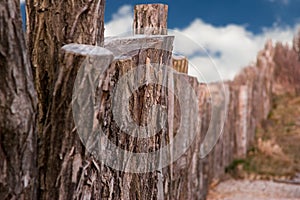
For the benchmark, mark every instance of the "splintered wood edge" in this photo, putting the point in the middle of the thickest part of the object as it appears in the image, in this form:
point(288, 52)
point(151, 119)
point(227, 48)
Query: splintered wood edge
point(86, 50)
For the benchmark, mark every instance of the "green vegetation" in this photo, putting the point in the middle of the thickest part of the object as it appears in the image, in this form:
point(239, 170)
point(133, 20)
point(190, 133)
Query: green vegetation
point(277, 150)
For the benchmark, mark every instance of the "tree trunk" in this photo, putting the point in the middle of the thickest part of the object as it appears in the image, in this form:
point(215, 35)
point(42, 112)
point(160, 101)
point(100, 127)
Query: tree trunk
point(64, 166)
point(18, 104)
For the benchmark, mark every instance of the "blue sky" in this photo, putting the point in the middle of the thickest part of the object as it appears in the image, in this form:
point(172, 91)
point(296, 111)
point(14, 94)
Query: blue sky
point(254, 14)
point(232, 32)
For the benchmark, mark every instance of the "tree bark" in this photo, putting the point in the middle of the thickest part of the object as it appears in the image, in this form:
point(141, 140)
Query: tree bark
point(147, 185)
point(18, 103)
point(64, 166)
point(52, 24)
point(150, 19)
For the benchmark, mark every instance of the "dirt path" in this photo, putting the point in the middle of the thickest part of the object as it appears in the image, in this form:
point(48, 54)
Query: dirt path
point(254, 190)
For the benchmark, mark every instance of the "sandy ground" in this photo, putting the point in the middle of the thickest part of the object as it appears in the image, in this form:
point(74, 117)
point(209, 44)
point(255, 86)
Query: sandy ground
point(254, 190)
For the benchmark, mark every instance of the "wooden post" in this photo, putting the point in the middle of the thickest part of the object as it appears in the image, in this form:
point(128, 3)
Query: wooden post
point(62, 159)
point(184, 178)
point(150, 19)
point(130, 186)
point(296, 43)
point(18, 105)
point(180, 64)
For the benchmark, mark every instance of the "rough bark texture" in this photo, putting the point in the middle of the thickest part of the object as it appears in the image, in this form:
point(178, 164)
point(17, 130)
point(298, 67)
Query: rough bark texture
point(150, 19)
point(61, 156)
point(158, 54)
point(116, 184)
point(18, 103)
point(52, 24)
point(186, 177)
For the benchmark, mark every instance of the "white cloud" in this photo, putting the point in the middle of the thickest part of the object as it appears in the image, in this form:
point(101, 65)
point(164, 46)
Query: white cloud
point(22, 1)
point(231, 47)
point(121, 22)
point(284, 2)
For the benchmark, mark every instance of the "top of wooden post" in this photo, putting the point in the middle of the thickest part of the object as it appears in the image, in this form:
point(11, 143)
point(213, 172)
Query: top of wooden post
point(150, 19)
point(87, 50)
point(180, 63)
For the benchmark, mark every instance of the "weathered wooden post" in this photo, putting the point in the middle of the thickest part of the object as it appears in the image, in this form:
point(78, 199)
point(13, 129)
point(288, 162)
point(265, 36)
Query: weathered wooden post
point(18, 105)
point(150, 19)
point(138, 57)
point(180, 64)
point(62, 159)
point(131, 54)
point(296, 43)
point(185, 178)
